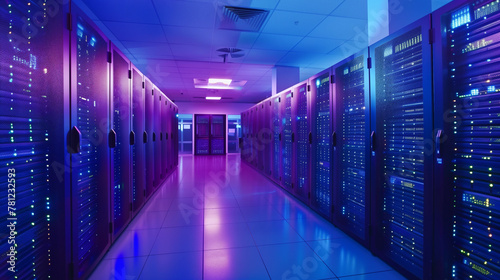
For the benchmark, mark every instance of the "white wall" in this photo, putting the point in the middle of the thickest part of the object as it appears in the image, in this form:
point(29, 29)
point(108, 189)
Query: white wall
point(213, 107)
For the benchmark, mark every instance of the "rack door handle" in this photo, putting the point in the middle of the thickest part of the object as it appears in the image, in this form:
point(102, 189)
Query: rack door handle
point(112, 138)
point(166, 135)
point(74, 141)
point(310, 138)
point(132, 138)
point(145, 137)
point(439, 136)
point(154, 137)
point(280, 136)
point(334, 139)
point(373, 141)
point(293, 137)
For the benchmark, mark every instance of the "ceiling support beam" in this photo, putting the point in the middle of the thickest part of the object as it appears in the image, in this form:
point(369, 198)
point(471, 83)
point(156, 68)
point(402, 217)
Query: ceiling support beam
point(284, 77)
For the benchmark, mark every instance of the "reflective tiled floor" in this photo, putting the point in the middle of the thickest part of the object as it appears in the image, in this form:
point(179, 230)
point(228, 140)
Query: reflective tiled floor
point(216, 218)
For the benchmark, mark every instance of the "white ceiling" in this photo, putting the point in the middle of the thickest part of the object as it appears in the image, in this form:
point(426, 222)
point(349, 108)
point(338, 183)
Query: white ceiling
point(175, 41)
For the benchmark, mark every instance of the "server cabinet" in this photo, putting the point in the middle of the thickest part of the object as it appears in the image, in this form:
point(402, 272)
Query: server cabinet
point(139, 139)
point(150, 136)
point(244, 129)
point(218, 134)
point(288, 139)
point(90, 196)
point(175, 131)
point(169, 153)
point(467, 122)
point(267, 137)
point(276, 140)
point(253, 154)
point(163, 140)
point(402, 131)
point(321, 173)
point(302, 148)
point(259, 134)
point(119, 141)
point(156, 136)
point(34, 120)
point(202, 134)
point(351, 140)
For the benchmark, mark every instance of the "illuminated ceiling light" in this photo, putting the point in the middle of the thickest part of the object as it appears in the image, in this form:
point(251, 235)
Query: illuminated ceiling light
point(213, 81)
point(213, 98)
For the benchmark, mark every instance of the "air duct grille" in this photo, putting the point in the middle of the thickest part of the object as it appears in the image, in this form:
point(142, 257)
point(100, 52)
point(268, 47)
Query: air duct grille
point(243, 19)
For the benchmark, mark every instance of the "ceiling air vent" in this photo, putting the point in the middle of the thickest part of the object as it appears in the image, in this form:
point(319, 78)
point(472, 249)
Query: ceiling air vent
point(242, 19)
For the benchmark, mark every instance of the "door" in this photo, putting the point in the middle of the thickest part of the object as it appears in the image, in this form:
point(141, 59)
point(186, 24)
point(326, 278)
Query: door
point(288, 139)
point(276, 151)
point(157, 137)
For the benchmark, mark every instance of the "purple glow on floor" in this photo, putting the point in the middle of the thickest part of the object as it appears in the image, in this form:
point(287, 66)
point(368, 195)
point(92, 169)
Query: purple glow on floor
point(216, 218)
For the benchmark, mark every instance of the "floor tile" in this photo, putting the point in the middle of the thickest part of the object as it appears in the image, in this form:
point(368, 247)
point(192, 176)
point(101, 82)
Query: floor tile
point(158, 204)
point(387, 275)
point(293, 261)
point(148, 220)
point(313, 228)
point(185, 266)
point(187, 217)
point(220, 202)
point(346, 257)
point(256, 214)
point(178, 239)
point(227, 236)
point(273, 232)
point(121, 268)
point(236, 263)
point(223, 216)
point(133, 243)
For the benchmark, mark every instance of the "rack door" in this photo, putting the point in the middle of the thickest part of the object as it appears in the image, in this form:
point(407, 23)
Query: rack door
point(218, 134)
point(467, 139)
point(276, 139)
point(402, 127)
point(89, 122)
point(33, 124)
point(149, 136)
point(202, 134)
point(352, 146)
point(302, 128)
point(288, 138)
point(140, 139)
point(120, 141)
point(157, 137)
point(321, 116)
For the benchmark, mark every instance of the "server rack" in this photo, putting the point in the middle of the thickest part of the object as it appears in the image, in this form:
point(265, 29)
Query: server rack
point(288, 139)
point(34, 117)
point(175, 131)
point(351, 141)
point(466, 135)
point(119, 141)
point(202, 134)
point(169, 155)
point(267, 137)
point(320, 137)
point(253, 138)
point(276, 149)
point(260, 136)
point(301, 129)
point(244, 128)
point(218, 134)
point(150, 136)
point(402, 126)
point(89, 144)
point(156, 136)
point(139, 137)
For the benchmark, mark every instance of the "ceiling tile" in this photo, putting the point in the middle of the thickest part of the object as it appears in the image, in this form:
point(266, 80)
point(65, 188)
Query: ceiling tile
point(188, 35)
point(233, 39)
point(264, 56)
point(349, 48)
point(299, 59)
point(276, 42)
point(190, 52)
point(353, 9)
point(317, 45)
point(292, 23)
point(186, 13)
point(323, 7)
point(148, 50)
point(136, 31)
point(339, 28)
point(124, 11)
